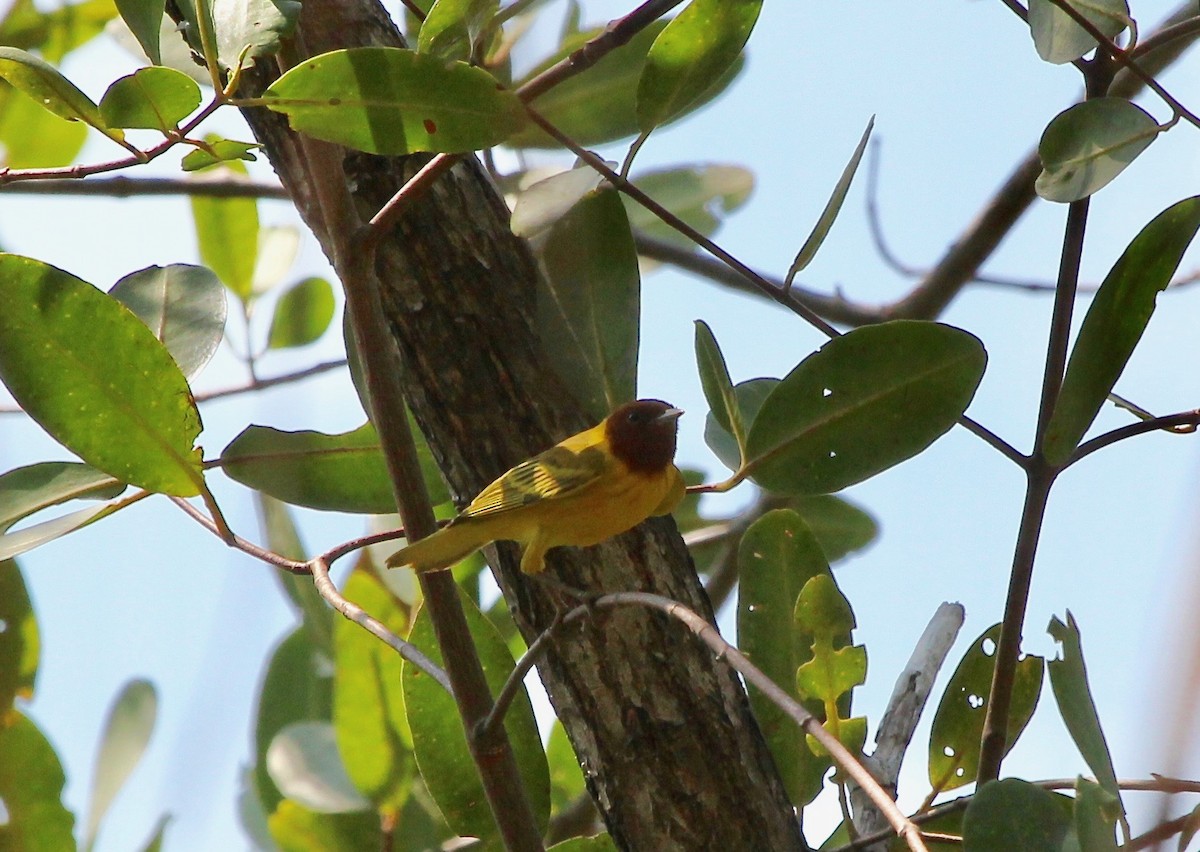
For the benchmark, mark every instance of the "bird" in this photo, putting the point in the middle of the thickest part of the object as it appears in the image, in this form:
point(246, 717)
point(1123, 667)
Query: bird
point(588, 488)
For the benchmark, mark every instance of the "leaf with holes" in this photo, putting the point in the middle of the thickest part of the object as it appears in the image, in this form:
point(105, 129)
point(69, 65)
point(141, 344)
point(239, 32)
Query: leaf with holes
point(958, 723)
point(94, 376)
point(864, 402)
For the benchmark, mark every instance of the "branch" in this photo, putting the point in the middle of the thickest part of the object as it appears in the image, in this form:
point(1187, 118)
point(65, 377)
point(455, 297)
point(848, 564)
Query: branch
point(127, 187)
point(707, 633)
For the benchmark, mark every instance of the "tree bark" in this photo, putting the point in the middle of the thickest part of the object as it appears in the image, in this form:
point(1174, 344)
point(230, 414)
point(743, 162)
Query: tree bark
point(671, 753)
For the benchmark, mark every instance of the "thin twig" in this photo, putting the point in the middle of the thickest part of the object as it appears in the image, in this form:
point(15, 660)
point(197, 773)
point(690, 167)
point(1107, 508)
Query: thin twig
point(292, 566)
point(127, 187)
point(273, 381)
point(1182, 423)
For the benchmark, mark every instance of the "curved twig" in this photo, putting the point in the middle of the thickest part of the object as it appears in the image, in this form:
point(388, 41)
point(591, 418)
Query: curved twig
point(1183, 423)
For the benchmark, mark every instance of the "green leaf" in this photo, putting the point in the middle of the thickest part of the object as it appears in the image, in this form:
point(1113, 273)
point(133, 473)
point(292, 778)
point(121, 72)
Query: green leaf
point(19, 642)
point(144, 19)
point(1115, 322)
point(385, 100)
point(297, 829)
point(305, 764)
point(691, 55)
point(1015, 816)
point(566, 778)
point(35, 138)
point(841, 527)
point(26, 539)
point(778, 554)
point(56, 32)
point(751, 394)
point(219, 151)
point(368, 703)
point(46, 85)
point(336, 473)
point(31, 786)
point(958, 723)
point(297, 686)
point(1087, 145)
point(154, 98)
point(1059, 39)
point(1068, 681)
point(183, 305)
point(590, 302)
point(1096, 813)
point(602, 842)
point(303, 314)
point(545, 202)
point(439, 741)
point(126, 733)
point(155, 843)
point(601, 105)
point(283, 538)
point(832, 207)
point(227, 232)
point(255, 24)
point(836, 667)
point(452, 27)
point(91, 373)
point(700, 195)
point(29, 489)
point(718, 387)
point(864, 402)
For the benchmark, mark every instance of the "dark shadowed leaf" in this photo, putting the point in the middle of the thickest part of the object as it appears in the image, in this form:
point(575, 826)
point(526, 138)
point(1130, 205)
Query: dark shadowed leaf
point(1089, 144)
point(1115, 322)
point(144, 19)
point(440, 743)
point(958, 723)
point(1015, 816)
point(29, 489)
point(19, 642)
point(154, 98)
point(122, 742)
point(1059, 39)
point(840, 526)
point(750, 396)
point(1069, 683)
point(183, 305)
point(283, 538)
point(340, 473)
point(862, 403)
point(385, 100)
point(90, 372)
point(691, 55)
point(602, 842)
point(589, 304)
point(700, 195)
point(779, 554)
point(1096, 814)
point(718, 387)
point(31, 786)
point(302, 315)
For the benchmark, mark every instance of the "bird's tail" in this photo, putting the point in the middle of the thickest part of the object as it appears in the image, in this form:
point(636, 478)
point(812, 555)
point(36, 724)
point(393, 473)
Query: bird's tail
point(440, 550)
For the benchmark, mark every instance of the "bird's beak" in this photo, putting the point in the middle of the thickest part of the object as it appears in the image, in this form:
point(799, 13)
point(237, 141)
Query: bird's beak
point(671, 414)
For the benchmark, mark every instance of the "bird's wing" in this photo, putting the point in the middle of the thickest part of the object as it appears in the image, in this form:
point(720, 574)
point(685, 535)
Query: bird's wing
point(555, 473)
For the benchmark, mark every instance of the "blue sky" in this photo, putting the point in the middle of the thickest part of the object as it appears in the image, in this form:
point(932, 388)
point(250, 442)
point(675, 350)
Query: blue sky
point(959, 97)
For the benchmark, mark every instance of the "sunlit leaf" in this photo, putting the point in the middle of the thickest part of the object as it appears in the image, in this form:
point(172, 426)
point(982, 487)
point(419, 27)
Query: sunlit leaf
point(1089, 144)
point(46, 85)
point(385, 100)
point(1115, 322)
point(95, 377)
point(1059, 39)
point(303, 314)
point(29, 489)
point(864, 402)
point(691, 55)
point(123, 740)
point(183, 305)
point(19, 641)
point(254, 24)
point(296, 829)
point(440, 743)
point(368, 703)
point(227, 232)
point(566, 778)
point(590, 303)
point(155, 98)
point(35, 138)
point(31, 787)
point(219, 151)
point(958, 723)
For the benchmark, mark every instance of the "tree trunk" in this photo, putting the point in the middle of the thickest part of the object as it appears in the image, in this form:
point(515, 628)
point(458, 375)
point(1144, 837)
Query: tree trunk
point(670, 751)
